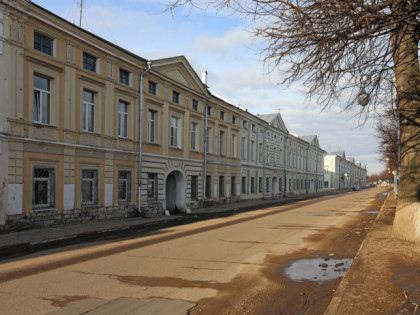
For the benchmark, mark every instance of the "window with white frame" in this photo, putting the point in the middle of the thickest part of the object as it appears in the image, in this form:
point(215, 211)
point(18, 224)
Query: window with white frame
point(89, 62)
point(151, 125)
point(233, 148)
point(222, 115)
point(42, 100)
point(124, 186)
point(252, 150)
point(234, 120)
point(260, 152)
point(124, 77)
point(90, 189)
point(152, 186)
point(208, 109)
point(43, 44)
point(88, 111)
point(152, 88)
point(122, 119)
point(176, 97)
point(194, 136)
point(222, 143)
point(209, 143)
point(43, 193)
point(174, 132)
point(195, 105)
point(243, 148)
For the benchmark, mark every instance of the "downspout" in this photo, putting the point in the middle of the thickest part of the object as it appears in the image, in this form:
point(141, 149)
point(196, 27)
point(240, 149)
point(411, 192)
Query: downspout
point(205, 150)
point(285, 166)
point(264, 153)
point(149, 66)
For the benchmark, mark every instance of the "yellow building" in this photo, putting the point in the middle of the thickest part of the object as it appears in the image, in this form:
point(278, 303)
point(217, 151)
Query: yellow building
point(70, 107)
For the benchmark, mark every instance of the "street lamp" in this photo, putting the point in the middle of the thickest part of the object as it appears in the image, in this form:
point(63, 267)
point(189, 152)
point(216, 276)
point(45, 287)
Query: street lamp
point(363, 98)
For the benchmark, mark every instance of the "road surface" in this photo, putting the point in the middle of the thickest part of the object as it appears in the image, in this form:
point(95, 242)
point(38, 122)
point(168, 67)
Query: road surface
point(221, 265)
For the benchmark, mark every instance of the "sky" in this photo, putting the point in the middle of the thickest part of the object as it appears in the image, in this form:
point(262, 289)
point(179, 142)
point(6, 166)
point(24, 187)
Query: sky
point(223, 45)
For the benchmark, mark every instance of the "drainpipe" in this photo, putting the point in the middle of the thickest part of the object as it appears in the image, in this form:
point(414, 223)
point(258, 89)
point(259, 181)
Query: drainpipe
point(149, 66)
point(205, 150)
point(263, 164)
point(285, 166)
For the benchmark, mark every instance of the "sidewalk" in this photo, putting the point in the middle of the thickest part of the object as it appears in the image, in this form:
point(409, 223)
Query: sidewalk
point(28, 238)
point(385, 275)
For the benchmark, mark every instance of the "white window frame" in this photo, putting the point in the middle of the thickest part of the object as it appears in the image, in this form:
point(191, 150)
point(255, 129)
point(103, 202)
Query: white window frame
point(86, 106)
point(39, 96)
point(51, 189)
point(126, 182)
point(122, 119)
point(194, 136)
point(151, 126)
point(174, 132)
point(234, 146)
point(94, 185)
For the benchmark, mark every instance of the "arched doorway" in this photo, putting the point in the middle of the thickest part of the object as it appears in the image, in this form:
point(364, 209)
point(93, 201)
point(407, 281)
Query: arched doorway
point(175, 191)
point(274, 187)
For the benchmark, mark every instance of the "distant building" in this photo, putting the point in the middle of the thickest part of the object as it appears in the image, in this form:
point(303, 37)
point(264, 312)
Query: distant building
point(341, 172)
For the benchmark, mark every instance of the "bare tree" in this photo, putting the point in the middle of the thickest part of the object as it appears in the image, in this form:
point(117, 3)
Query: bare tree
point(348, 52)
point(387, 134)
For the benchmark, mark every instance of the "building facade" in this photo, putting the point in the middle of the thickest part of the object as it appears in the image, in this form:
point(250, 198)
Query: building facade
point(341, 172)
point(74, 107)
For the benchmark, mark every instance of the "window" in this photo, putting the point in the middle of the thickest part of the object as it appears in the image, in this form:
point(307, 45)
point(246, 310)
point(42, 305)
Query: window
point(43, 194)
point(243, 185)
point(194, 187)
point(275, 156)
point(243, 149)
point(89, 62)
point(221, 143)
point(260, 152)
point(208, 140)
point(195, 105)
point(124, 77)
point(208, 186)
point(43, 44)
point(175, 97)
point(174, 132)
point(222, 115)
point(221, 186)
point(194, 136)
point(244, 124)
point(124, 186)
point(254, 128)
point(252, 185)
point(234, 120)
point(88, 111)
point(152, 88)
point(267, 185)
point(89, 187)
point(260, 185)
point(233, 186)
point(208, 110)
point(152, 185)
point(233, 148)
point(252, 150)
point(151, 126)
point(122, 119)
point(42, 96)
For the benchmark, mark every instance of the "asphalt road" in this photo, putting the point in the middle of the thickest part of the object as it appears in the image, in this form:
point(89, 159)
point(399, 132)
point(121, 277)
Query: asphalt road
point(180, 266)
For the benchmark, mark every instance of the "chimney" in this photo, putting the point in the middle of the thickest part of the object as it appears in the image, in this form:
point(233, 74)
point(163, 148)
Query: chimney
point(204, 77)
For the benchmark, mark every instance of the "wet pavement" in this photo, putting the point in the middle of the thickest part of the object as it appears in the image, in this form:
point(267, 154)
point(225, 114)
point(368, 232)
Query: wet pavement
point(318, 269)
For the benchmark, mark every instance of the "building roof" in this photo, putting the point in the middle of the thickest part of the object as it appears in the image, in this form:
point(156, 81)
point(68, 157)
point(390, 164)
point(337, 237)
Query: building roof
point(275, 120)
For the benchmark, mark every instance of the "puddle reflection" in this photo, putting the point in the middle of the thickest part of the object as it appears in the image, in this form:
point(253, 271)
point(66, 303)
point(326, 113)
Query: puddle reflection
point(318, 269)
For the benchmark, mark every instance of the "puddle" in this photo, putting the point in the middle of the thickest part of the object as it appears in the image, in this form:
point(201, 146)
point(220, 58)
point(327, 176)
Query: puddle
point(371, 211)
point(318, 269)
point(383, 196)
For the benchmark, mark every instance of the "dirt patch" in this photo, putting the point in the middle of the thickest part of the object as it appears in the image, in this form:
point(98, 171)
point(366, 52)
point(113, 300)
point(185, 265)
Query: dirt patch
point(275, 293)
point(62, 301)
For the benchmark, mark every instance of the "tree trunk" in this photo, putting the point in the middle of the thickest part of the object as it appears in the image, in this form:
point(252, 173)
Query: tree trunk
point(407, 218)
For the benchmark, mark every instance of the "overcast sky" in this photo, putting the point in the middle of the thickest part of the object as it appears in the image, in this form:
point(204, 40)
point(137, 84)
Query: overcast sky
point(223, 45)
